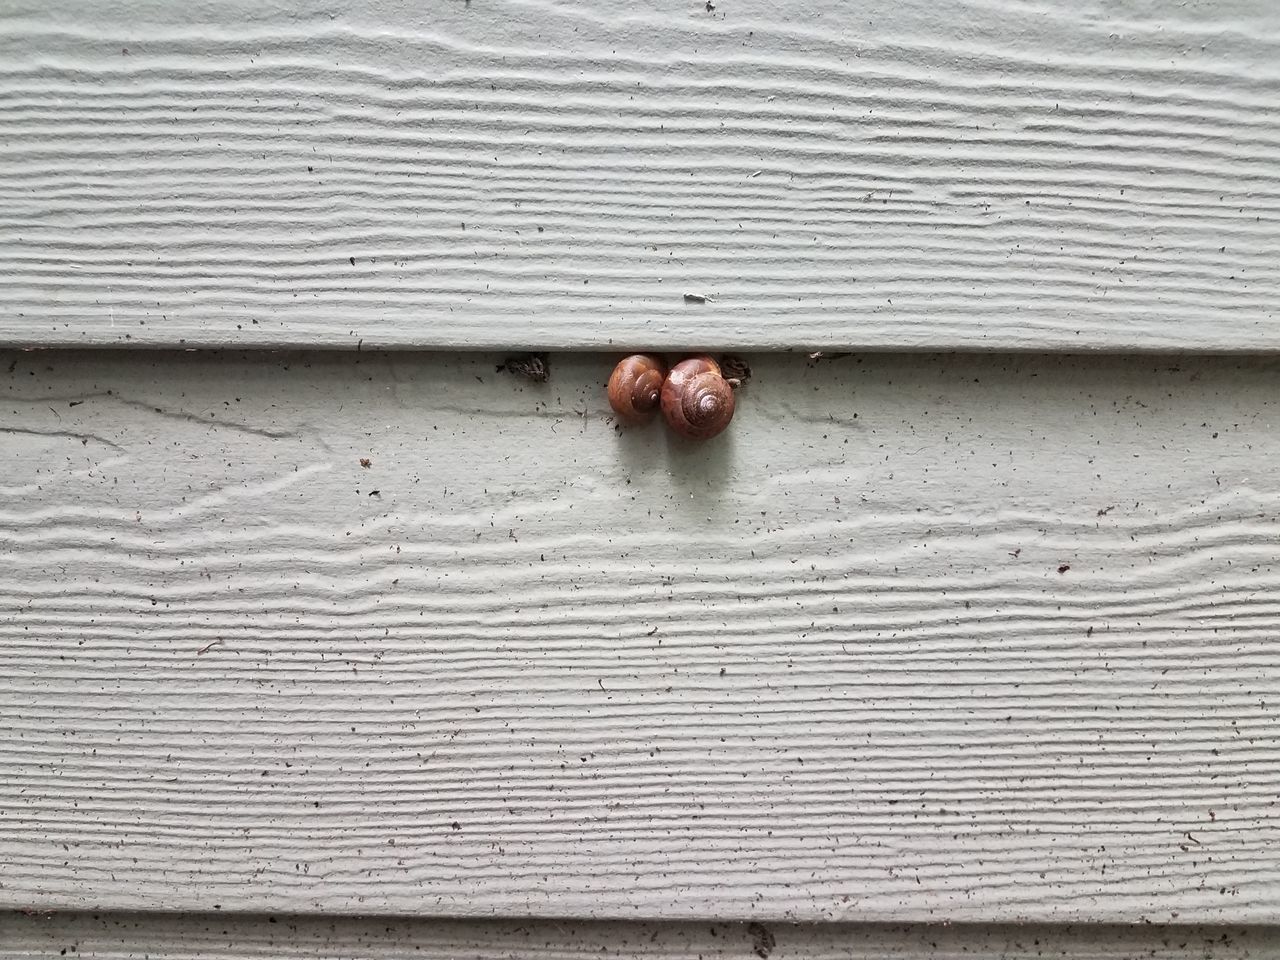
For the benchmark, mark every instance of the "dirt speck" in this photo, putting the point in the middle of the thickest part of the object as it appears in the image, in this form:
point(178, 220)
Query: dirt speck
point(1064, 568)
point(735, 368)
point(366, 462)
point(762, 941)
point(535, 367)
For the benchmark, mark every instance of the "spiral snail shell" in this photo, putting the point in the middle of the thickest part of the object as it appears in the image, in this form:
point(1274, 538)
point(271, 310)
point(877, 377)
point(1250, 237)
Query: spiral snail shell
point(697, 400)
point(635, 387)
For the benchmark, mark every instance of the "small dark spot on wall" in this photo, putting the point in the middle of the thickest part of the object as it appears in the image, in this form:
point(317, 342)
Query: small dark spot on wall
point(735, 368)
point(535, 367)
point(762, 940)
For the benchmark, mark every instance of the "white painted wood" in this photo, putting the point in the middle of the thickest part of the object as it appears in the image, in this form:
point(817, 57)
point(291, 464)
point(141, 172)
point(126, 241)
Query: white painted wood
point(900, 174)
point(827, 668)
point(217, 937)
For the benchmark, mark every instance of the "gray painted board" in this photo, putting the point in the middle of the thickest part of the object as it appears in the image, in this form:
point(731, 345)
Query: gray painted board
point(891, 174)
point(216, 937)
point(984, 639)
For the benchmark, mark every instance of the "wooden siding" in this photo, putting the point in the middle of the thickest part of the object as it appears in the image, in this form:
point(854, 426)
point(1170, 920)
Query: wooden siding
point(986, 639)
point(891, 174)
point(220, 937)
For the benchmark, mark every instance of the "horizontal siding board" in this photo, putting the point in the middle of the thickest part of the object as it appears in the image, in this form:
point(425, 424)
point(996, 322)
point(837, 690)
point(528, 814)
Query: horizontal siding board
point(975, 639)
point(217, 937)
point(528, 174)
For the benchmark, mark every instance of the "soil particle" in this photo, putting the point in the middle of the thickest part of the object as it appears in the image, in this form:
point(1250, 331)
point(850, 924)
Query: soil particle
point(530, 366)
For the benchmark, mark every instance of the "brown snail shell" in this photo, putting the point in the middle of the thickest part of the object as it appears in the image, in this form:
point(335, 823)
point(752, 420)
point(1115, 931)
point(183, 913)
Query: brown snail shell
point(635, 387)
point(697, 400)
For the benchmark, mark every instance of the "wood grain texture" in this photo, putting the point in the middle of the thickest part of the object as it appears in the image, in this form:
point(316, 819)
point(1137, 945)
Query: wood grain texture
point(218, 937)
point(951, 639)
point(906, 174)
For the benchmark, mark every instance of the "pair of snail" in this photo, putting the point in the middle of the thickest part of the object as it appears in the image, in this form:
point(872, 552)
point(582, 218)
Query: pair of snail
point(695, 397)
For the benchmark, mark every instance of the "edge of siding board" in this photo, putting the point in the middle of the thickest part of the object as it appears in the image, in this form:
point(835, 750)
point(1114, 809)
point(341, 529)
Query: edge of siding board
point(838, 341)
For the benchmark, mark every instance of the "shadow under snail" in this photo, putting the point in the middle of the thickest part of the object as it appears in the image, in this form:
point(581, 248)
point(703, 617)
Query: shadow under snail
point(695, 398)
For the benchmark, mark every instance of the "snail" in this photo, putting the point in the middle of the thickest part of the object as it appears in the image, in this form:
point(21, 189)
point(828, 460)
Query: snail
point(697, 400)
point(635, 387)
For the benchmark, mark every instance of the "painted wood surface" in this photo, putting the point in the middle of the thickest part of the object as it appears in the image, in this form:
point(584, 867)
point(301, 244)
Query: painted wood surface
point(218, 937)
point(899, 174)
point(979, 639)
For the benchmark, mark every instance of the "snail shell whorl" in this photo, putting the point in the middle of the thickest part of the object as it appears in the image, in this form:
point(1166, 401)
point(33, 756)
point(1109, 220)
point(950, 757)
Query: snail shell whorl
point(635, 387)
point(697, 400)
